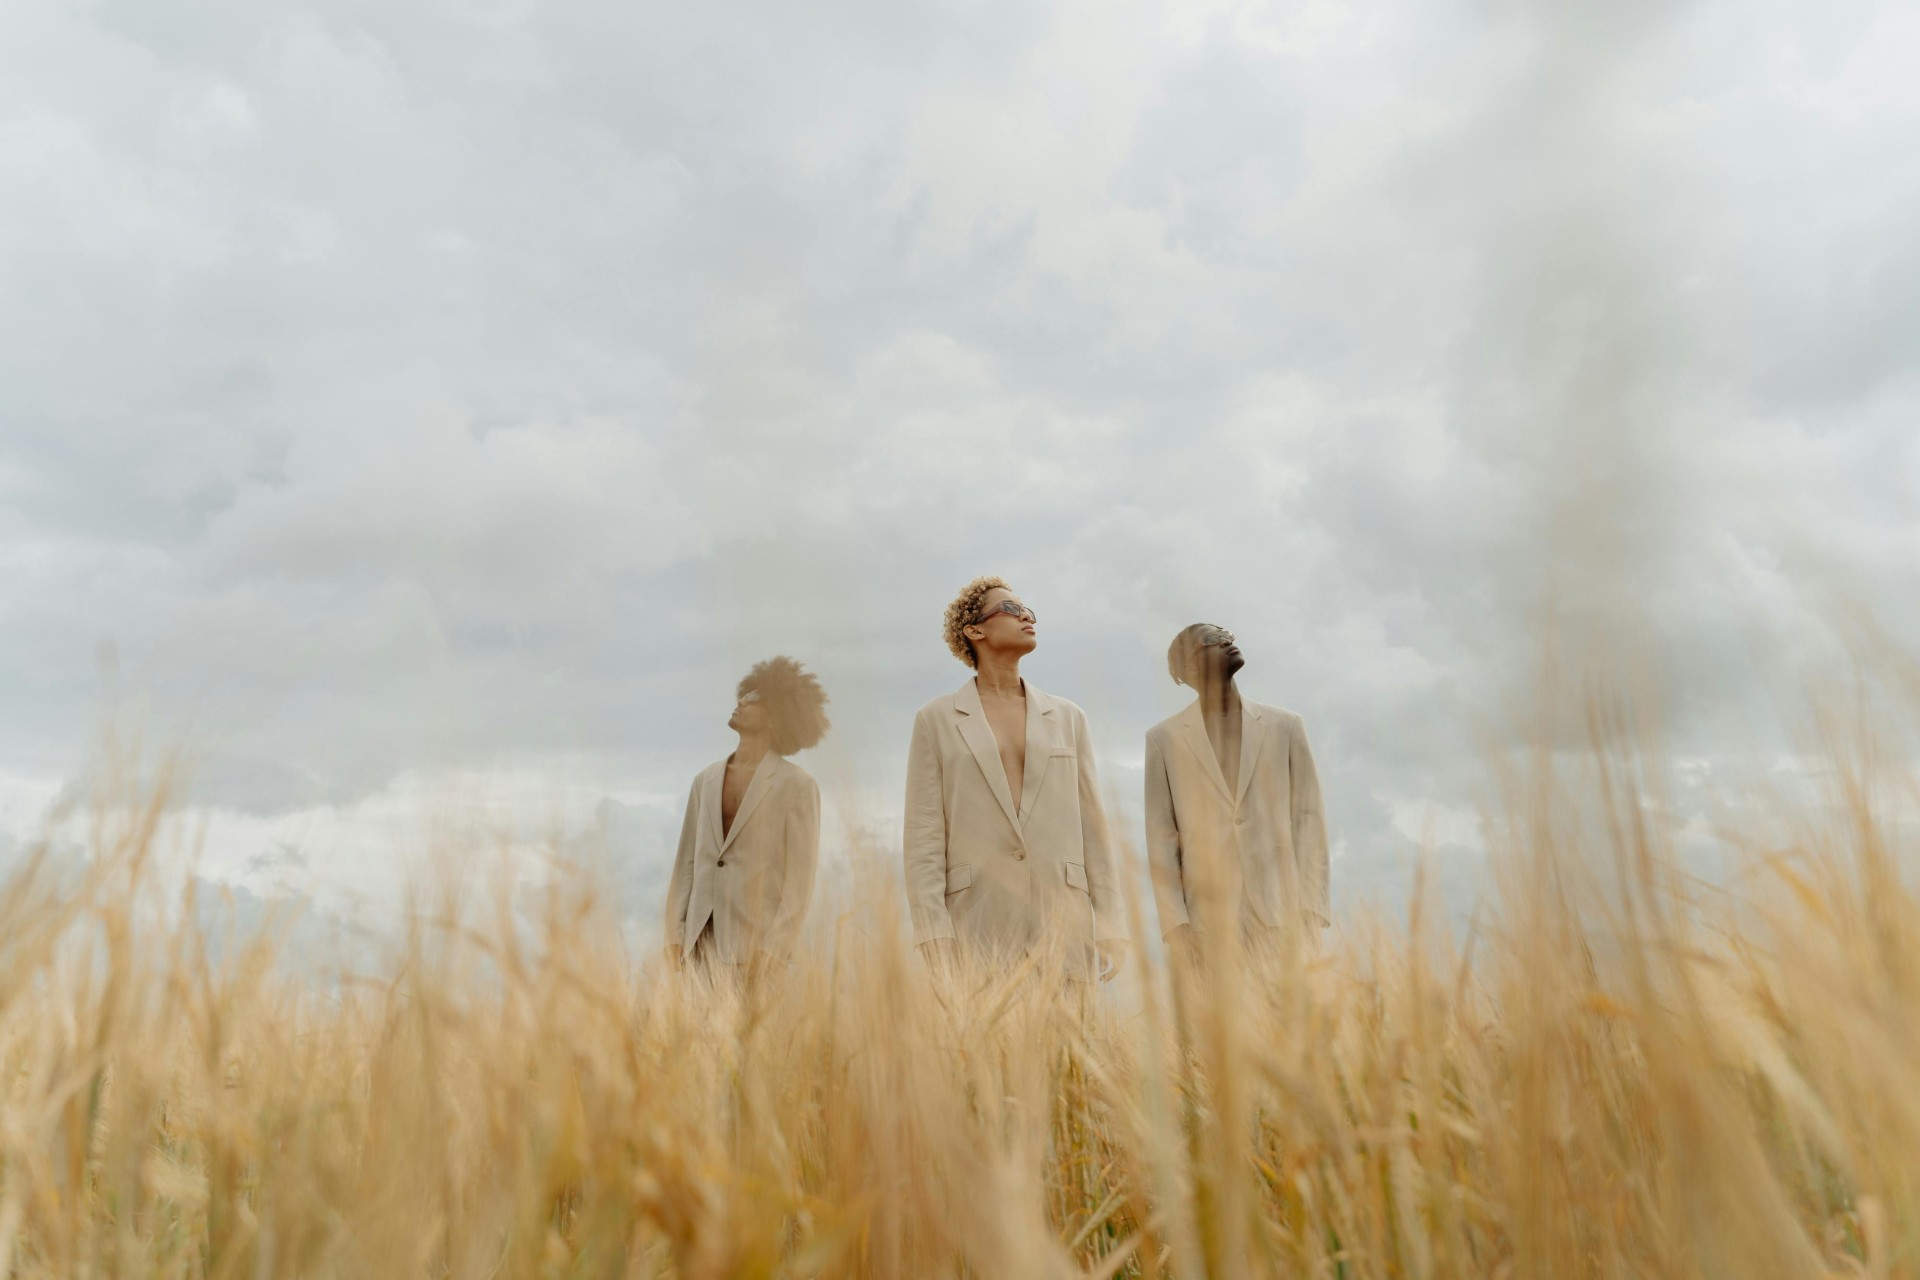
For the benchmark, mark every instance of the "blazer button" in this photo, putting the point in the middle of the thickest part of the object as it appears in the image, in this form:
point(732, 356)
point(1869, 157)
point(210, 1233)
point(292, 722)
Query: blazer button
point(1020, 855)
point(719, 864)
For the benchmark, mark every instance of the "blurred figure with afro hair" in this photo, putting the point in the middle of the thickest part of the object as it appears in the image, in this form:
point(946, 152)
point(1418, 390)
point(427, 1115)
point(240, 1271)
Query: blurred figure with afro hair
point(744, 870)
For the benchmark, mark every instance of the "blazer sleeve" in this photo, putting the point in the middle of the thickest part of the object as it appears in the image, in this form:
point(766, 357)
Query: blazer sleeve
point(1163, 841)
point(1096, 844)
point(680, 886)
point(1309, 826)
point(924, 843)
point(801, 838)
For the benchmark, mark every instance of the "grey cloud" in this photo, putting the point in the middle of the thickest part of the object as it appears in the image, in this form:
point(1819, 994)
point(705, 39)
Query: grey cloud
point(404, 387)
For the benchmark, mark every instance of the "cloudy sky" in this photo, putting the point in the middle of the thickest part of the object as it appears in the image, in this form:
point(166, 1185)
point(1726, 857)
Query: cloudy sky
point(429, 406)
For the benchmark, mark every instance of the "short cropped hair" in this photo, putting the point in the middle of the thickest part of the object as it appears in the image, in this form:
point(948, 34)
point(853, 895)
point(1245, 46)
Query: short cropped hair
point(964, 612)
point(1180, 652)
point(795, 703)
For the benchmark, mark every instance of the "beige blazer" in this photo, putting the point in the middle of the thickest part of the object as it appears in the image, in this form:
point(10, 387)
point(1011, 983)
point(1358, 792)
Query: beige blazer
point(991, 876)
point(1258, 856)
point(753, 882)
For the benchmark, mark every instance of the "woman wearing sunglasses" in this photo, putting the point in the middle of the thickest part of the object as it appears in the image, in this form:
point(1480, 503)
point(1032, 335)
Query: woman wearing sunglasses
point(1006, 842)
point(1236, 837)
point(751, 839)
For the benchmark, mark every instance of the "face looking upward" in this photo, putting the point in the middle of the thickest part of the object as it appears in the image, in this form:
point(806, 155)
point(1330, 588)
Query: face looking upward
point(749, 715)
point(1011, 630)
point(1213, 656)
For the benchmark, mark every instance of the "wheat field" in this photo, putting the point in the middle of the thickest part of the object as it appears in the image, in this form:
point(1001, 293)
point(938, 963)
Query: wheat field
point(1618, 1072)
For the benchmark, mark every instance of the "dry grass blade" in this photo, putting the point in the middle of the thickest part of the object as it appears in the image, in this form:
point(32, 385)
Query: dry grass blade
point(1619, 1075)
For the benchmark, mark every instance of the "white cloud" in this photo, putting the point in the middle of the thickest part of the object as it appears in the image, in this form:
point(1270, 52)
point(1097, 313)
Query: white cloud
point(431, 392)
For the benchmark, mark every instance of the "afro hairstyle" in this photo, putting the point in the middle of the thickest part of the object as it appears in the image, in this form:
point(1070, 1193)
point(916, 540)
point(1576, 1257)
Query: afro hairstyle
point(795, 703)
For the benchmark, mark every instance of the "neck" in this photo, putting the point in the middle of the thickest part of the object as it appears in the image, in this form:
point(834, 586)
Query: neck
point(1219, 698)
point(753, 748)
point(998, 673)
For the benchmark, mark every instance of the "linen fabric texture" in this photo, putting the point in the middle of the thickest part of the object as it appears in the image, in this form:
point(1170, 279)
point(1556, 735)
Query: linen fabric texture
point(753, 882)
point(995, 877)
point(1255, 857)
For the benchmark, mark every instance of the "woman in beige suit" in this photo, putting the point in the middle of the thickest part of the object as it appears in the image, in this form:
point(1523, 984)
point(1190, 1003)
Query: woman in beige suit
point(1005, 835)
point(751, 838)
point(1236, 836)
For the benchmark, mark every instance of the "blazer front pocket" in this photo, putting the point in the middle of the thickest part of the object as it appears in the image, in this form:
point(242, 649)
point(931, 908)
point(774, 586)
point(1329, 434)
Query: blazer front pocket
point(1077, 877)
point(959, 877)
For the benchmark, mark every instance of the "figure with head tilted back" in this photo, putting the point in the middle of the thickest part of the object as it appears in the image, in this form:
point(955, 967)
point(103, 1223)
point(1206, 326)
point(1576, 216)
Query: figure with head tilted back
point(751, 838)
point(1236, 837)
point(1006, 838)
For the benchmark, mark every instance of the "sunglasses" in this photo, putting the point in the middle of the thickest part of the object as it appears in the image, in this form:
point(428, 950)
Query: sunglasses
point(1013, 607)
point(1215, 635)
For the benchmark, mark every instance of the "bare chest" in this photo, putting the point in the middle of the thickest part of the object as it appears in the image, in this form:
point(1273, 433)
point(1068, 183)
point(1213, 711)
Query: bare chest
point(733, 789)
point(1224, 737)
point(1008, 720)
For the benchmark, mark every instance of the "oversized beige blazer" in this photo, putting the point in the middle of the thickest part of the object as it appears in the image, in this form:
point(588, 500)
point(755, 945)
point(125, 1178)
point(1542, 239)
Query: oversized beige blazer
point(1257, 856)
point(992, 876)
point(753, 882)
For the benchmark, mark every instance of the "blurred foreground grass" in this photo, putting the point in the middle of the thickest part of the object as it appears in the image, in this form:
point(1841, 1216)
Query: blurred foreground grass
point(1631, 1075)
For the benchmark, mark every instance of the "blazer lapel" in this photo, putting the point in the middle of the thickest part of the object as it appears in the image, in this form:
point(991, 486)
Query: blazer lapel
point(1193, 731)
point(1039, 748)
point(978, 735)
point(710, 783)
point(1252, 735)
point(756, 788)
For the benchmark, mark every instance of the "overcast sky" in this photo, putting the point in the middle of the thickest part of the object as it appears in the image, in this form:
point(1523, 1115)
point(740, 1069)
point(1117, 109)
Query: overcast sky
point(429, 404)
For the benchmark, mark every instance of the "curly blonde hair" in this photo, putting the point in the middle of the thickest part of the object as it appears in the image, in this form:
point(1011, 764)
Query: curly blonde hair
point(964, 612)
point(794, 700)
